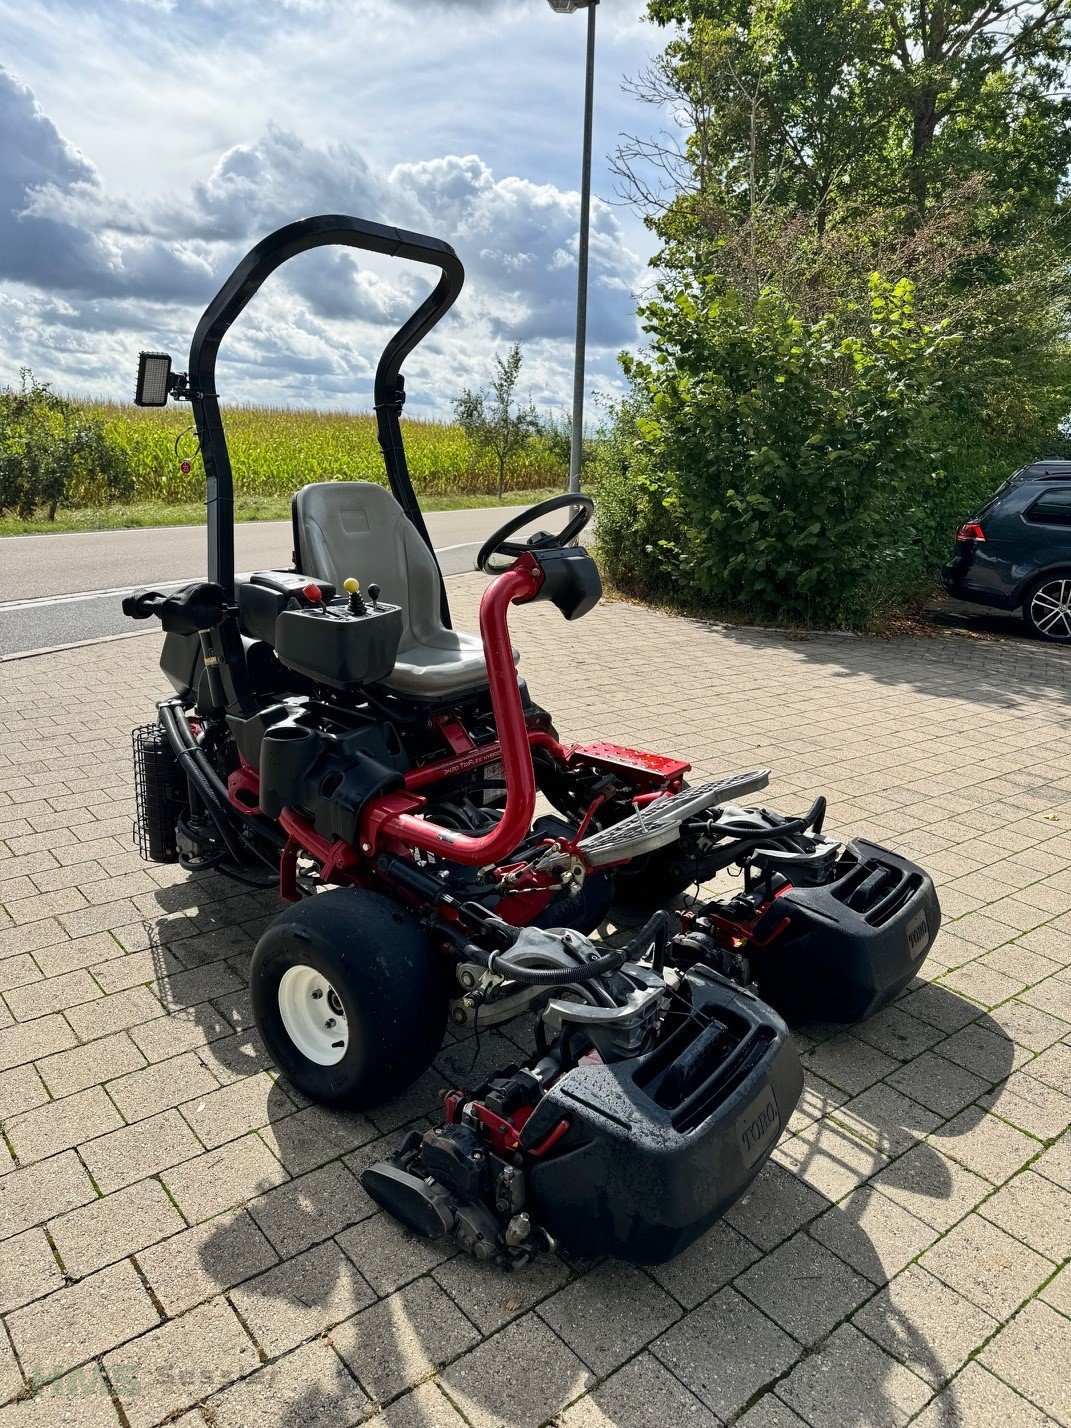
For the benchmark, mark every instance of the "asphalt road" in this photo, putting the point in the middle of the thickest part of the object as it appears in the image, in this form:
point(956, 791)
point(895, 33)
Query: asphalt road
point(59, 589)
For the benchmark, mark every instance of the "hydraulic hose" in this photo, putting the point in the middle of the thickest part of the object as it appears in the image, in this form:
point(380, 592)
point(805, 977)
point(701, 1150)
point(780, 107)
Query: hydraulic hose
point(500, 962)
point(199, 771)
point(612, 961)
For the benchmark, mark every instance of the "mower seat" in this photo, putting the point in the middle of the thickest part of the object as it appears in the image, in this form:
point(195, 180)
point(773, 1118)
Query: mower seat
point(344, 528)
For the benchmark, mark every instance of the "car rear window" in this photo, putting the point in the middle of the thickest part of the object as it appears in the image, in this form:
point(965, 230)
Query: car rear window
point(1052, 508)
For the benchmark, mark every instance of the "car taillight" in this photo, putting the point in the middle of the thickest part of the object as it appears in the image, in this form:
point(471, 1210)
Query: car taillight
point(971, 531)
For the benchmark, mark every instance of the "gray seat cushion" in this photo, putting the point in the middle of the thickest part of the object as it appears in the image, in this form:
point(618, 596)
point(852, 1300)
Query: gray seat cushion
point(355, 528)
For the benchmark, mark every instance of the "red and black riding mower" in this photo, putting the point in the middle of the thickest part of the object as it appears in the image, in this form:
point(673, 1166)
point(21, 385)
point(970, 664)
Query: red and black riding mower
point(344, 742)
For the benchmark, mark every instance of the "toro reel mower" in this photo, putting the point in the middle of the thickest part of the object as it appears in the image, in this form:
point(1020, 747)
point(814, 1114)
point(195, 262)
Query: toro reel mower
point(330, 733)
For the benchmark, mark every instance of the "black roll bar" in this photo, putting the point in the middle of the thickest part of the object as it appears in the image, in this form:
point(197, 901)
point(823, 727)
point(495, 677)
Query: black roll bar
point(389, 390)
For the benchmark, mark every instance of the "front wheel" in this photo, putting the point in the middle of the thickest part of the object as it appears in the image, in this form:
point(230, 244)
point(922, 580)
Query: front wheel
point(1047, 608)
point(348, 997)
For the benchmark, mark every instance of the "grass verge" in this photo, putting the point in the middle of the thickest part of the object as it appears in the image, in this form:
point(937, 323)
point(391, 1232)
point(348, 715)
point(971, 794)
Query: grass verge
point(141, 515)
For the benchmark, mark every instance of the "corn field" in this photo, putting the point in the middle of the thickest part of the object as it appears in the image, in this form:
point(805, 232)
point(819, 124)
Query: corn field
point(275, 451)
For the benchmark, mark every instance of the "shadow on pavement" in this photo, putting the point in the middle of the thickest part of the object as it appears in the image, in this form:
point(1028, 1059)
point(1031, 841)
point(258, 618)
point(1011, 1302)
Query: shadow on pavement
point(857, 1191)
point(1000, 673)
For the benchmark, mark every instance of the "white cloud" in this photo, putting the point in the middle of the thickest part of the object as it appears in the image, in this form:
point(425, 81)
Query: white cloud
point(219, 122)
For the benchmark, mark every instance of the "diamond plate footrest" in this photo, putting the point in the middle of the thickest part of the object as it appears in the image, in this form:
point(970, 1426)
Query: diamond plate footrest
point(660, 822)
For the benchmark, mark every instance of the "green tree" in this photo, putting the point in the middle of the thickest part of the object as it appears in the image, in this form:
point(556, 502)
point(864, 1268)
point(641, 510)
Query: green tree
point(495, 421)
point(863, 314)
point(51, 451)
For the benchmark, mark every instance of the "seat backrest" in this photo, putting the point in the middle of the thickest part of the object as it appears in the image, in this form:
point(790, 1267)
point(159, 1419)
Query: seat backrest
point(344, 528)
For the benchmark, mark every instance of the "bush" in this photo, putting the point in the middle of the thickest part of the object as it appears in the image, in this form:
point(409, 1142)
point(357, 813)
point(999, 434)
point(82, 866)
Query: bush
point(788, 469)
point(53, 453)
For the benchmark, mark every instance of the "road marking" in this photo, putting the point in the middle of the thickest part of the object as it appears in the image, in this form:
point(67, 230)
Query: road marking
point(42, 601)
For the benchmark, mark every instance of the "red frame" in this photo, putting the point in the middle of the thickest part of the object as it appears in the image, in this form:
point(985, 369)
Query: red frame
point(391, 822)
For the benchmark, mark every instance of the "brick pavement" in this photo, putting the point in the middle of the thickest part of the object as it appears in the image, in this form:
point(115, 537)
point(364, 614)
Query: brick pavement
point(186, 1238)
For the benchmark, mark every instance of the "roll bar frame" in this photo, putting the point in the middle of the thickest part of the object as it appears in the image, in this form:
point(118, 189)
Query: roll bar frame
point(326, 230)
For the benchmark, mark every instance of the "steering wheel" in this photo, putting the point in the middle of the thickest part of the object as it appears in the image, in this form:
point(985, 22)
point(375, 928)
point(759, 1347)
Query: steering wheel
point(500, 544)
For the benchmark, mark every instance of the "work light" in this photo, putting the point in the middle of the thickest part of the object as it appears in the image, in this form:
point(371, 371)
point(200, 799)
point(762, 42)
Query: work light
point(154, 379)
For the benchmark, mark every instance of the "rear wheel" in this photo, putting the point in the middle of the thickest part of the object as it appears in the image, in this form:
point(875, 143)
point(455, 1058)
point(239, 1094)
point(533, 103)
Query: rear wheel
point(1047, 608)
point(349, 997)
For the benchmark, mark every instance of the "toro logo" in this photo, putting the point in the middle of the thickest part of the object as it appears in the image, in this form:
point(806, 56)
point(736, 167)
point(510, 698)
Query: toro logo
point(918, 935)
point(756, 1126)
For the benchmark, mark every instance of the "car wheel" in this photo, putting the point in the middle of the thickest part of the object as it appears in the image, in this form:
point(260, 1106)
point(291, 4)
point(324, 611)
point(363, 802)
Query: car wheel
point(1047, 608)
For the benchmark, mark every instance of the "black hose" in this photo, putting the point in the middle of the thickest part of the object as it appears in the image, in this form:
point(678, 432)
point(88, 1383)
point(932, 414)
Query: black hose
point(612, 961)
point(499, 962)
point(199, 771)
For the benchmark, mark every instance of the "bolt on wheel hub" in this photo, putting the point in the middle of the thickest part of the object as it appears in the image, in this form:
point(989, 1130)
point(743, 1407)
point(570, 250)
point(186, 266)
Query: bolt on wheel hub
point(313, 1015)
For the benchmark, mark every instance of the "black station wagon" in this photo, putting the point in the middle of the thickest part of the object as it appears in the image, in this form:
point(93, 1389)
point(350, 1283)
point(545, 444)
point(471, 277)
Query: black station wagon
point(1017, 550)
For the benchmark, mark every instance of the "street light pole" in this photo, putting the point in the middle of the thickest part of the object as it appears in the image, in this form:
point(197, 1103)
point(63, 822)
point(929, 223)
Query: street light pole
point(576, 436)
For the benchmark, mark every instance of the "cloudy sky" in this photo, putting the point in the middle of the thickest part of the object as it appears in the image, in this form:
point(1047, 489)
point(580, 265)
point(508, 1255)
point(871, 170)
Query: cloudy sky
point(144, 144)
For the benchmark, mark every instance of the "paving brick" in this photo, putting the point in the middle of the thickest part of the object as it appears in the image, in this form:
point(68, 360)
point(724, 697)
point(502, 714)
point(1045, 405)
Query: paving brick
point(987, 1266)
point(548, 1378)
point(28, 1270)
point(183, 1030)
point(396, 1342)
point(1031, 1354)
point(849, 1379)
point(310, 1387)
point(829, 1159)
point(74, 954)
point(58, 1125)
point(1031, 1106)
point(220, 1179)
point(933, 1189)
point(1053, 1066)
point(490, 1295)
point(114, 1227)
point(1055, 1163)
point(938, 1084)
point(609, 1314)
point(985, 1144)
point(311, 1208)
point(81, 1399)
point(195, 1265)
point(139, 1150)
point(848, 1062)
point(313, 1135)
point(387, 1255)
point(85, 1066)
point(925, 1324)
point(725, 1351)
point(804, 1287)
point(180, 1363)
point(643, 1394)
point(774, 1206)
point(33, 1195)
point(976, 1397)
point(114, 1013)
point(33, 1039)
point(1036, 1211)
point(873, 1234)
point(21, 1089)
point(424, 1406)
point(706, 1265)
point(218, 1114)
point(301, 1298)
point(52, 995)
point(81, 1322)
point(151, 1089)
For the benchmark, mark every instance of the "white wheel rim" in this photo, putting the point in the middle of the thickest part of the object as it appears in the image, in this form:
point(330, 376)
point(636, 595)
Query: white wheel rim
point(1050, 609)
point(313, 1015)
